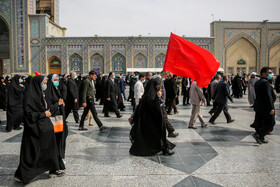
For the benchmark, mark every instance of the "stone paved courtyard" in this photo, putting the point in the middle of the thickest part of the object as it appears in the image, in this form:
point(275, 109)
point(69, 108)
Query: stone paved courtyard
point(219, 155)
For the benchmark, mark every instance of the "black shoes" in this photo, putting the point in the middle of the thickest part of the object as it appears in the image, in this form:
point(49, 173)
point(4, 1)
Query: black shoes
point(82, 129)
point(264, 141)
point(257, 138)
point(17, 128)
point(177, 112)
point(107, 116)
point(167, 152)
point(103, 128)
point(119, 116)
point(231, 121)
point(56, 173)
point(173, 135)
point(212, 122)
point(122, 109)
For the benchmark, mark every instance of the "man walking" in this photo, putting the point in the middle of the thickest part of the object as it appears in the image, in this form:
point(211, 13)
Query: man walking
point(122, 86)
point(221, 96)
point(111, 96)
point(186, 84)
point(88, 101)
point(264, 107)
point(72, 97)
point(213, 87)
point(138, 90)
point(196, 95)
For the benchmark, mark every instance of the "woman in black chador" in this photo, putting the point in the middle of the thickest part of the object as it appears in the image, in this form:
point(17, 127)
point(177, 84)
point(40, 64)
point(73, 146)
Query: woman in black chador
point(237, 86)
point(3, 93)
point(148, 134)
point(39, 152)
point(14, 105)
point(56, 106)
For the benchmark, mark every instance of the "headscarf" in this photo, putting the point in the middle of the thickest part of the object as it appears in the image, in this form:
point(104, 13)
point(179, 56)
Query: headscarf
point(34, 100)
point(54, 76)
point(15, 93)
point(52, 94)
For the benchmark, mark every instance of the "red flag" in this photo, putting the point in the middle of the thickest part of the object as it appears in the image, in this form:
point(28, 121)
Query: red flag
point(37, 73)
point(186, 59)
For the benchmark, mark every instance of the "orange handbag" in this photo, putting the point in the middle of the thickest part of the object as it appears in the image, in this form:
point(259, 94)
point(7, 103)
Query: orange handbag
point(57, 122)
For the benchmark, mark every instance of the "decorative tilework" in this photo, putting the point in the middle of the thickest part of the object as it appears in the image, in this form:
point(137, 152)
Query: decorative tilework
point(140, 61)
point(253, 33)
point(34, 28)
point(97, 61)
point(118, 63)
point(53, 53)
point(32, 7)
point(20, 33)
point(5, 10)
point(272, 35)
point(76, 63)
point(35, 59)
point(159, 60)
point(247, 37)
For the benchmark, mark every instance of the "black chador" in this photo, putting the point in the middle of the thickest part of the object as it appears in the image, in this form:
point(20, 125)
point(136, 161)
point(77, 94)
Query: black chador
point(14, 105)
point(3, 94)
point(237, 86)
point(38, 152)
point(52, 97)
point(148, 134)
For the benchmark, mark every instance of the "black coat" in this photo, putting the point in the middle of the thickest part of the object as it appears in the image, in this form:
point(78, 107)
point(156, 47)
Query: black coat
point(38, 152)
point(63, 88)
point(264, 98)
point(111, 91)
point(72, 94)
point(185, 83)
point(222, 93)
point(171, 88)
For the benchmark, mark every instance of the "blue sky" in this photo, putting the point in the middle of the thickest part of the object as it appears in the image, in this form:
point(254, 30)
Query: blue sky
point(159, 17)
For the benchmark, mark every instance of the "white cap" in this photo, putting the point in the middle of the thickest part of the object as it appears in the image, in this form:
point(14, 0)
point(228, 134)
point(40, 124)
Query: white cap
point(253, 73)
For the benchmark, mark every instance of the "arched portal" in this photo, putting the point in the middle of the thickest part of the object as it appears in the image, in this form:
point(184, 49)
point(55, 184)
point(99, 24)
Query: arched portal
point(76, 63)
point(55, 65)
point(241, 57)
point(140, 61)
point(274, 58)
point(97, 63)
point(118, 63)
point(4, 44)
point(159, 60)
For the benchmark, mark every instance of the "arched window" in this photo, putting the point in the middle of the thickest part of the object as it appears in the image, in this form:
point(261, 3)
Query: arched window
point(159, 60)
point(118, 63)
point(97, 62)
point(76, 63)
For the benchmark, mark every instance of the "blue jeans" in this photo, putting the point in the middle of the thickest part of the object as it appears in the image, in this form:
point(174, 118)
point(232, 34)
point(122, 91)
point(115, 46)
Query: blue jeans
point(124, 95)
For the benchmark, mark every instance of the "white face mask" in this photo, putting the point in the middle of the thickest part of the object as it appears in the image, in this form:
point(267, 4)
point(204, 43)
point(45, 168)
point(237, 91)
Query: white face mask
point(44, 87)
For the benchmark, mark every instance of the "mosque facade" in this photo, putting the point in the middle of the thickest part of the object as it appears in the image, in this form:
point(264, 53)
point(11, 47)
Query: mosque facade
point(31, 39)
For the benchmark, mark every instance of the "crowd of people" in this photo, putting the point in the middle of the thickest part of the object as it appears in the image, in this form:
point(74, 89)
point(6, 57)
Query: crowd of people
point(42, 102)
